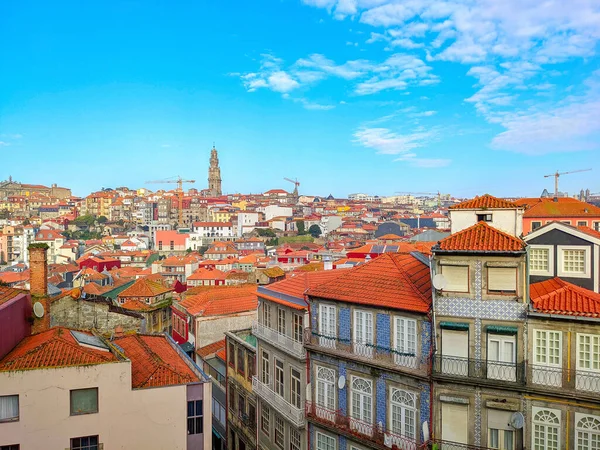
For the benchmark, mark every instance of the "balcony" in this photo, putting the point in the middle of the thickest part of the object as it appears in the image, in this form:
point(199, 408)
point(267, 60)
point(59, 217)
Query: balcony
point(370, 354)
point(479, 369)
point(279, 340)
point(576, 381)
point(243, 424)
point(372, 435)
point(294, 415)
point(438, 444)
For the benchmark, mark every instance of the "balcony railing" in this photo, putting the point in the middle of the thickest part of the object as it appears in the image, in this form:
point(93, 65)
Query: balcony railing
point(563, 379)
point(493, 371)
point(376, 435)
point(439, 444)
point(369, 353)
point(285, 408)
point(279, 340)
point(243, 422)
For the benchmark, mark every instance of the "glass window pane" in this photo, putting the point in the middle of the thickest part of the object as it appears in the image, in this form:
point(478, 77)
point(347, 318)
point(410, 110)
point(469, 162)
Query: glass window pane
point(84, 401)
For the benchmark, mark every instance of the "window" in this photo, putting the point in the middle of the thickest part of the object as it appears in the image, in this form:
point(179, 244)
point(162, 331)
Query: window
point(172, 245)
point(218, 411)
point(84, 401)
point(582, 223)
point(279, 377)
point(84, 443)
point(484, 217)
point(363, 333)
point(295, 387)
point(501, 355)
point(325, 442)
point(403, 413)
point(265, 375)
point(455, 352)
point(588, 362)
point(405, 341)
point(231, 397)
point(500, 434)
point(326, 388)
point(241, 405)
point(9, 408)
point(546, 429)
point(502, 280)
point(457, 278)
point(252, 415)
point(588, 431)
point(281, 320)
point(279, 432)
point(267, 315)
point(573, 262)
point(547, 357)
point(241, 362)
point(251, 364)
point(195, 423)
point(535, 225)
point(160, 245)
point(361, 394)
point(541, 260)
point(327, 325)
point(231, 355)
point(295, 441)
point(265, 414)
point(10, 447)
point(298, 326)
point(596, 226)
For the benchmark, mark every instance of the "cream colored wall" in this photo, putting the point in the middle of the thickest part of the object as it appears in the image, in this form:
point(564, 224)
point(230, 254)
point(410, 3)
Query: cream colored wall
point(508, 220)
point(127, 419)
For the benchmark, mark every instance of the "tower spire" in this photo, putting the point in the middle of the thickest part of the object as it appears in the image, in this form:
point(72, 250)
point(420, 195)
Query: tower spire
point(214, 174)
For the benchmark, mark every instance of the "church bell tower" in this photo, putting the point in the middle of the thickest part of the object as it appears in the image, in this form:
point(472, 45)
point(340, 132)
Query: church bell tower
point(214, 174)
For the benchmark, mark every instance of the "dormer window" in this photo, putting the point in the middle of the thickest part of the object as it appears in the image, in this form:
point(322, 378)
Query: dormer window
point(484, 217)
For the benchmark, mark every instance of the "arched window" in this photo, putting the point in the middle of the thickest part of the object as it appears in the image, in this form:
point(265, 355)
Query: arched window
point(326, 387)
point(546, 429)
point(588, 432)
point(403, 413)
point(362, 399)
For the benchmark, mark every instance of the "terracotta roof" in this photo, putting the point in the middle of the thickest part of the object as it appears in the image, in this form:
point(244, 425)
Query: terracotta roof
point(485, 202)
point(564, 207)
point(590, 231)
point(8, 293)
point(221, 300)
point(398, 281)
point(390, 237)
point(143, 287)
point(53, 348)
point(207, 274)
point(481, 237)
point(298, 283)
point(222, 354)
point(14, 277)
point(210, 349)
point(154, 361)
point(274, 272)
point(556, 296)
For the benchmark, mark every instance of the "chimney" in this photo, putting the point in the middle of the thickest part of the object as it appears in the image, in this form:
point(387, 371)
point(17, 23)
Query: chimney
point(327, 263)
point(38, 266)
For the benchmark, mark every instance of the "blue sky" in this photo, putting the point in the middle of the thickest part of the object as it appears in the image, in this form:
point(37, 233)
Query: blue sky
point(373, 96)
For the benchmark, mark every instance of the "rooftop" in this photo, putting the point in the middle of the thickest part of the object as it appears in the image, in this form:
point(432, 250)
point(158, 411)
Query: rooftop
point(143, 287)
point(210, 349)
point(486, 201)
point(221, 300)
point(563, 207)
point(481, 237)
point(556, 296)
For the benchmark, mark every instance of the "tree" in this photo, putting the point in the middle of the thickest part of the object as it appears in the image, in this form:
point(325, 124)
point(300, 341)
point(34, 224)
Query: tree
point(102, 219)
point(266, 232)
point(301, 227)
point(315, 230)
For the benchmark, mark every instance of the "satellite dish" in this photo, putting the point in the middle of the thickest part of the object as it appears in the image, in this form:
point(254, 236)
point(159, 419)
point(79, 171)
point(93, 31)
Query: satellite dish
point(425, 431)
point(38, 310)
point(341, 382)
point(439, 281)
point(517, 420)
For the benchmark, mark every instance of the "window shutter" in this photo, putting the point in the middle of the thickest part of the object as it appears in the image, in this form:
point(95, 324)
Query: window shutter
point(502, 279)
point(457, 278)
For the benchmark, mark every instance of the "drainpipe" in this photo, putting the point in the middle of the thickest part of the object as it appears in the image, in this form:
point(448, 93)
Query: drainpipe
point(307, 368)
point(432, 348)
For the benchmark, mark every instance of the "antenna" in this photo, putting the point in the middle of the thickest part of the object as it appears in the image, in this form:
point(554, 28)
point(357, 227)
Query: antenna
point(557, 175)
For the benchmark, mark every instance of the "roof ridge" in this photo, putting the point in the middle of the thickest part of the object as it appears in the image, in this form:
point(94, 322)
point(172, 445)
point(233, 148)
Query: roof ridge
point(406, 277)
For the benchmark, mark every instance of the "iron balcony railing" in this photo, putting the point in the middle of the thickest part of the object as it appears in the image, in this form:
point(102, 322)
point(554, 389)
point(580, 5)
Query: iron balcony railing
point(293, 414)
point(242, 421)
point(364, 351)
point(493, 371)
point(378, 435)
point(279, 340)
point(439, 444)
point(585, 381)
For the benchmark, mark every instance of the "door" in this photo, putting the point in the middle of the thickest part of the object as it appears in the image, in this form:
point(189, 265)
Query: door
point(501, 357)
point(327, 326)
point(325, 394)
point(361, 414)
point(454, 423)
point(547, 358)
point(405, 342)
point(455, 353)
point(363, 333)
point(588, 362)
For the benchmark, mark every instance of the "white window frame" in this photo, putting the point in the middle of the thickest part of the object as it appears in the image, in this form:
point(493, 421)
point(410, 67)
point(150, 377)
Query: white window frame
point(587, 261)
point(363, 421)
point(454, 289)
point(534, 411)
point(327, 325)
point(295, 387)
point(550, 271)
point(596, 225)
point(546, 373)
point(363, 332)
point(407, 413)
point(322, 437)
point(580, 432)
point(279, 383)
point(588, 378)
point(12, 418)
point(325, 377)
point(402, 341)
point(500, 291)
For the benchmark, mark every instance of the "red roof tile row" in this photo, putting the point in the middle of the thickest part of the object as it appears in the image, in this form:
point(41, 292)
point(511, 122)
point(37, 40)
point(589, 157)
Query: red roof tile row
point(486, 201)
point(556, 296)
point(481, 237)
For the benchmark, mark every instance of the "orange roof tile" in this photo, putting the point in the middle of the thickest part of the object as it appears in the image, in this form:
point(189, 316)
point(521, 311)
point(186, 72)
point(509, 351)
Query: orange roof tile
point(211, 349)
point(481, 237)
point(556, 296)
point(53, 348)
point(154, 362)
point(485, 202)
point(143, 287)
point(392, 280)
point(390, 237)
point(564, 207)
point(590, 231)
point(222, 354)
point(298, 283)
point(207, 274)
point(221, 300)
point(8, 293)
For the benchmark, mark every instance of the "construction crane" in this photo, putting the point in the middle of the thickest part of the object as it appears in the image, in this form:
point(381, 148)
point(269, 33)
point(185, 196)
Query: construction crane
point(437, 194)
point(179, 181)
point(557, 176)
point(296, 184)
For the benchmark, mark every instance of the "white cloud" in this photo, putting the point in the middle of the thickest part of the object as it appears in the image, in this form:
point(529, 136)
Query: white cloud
point(313, 105)
point(348, 70)
point(4, 144)
point(280, 81)
point(270, 76)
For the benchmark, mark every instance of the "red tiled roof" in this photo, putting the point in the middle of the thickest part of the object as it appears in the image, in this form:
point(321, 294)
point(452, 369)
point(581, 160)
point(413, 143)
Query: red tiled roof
point(485, 202)
point(53, 348)
point(564, 207)
point(590, 231)
point(221, 300)
point(154, 362)
point(556, 296)
point(481, 237)
point(211, 349)
point(395, 280)
point(143, 287)
point(207, 274)
point(298, 283)
point(390, 237)
point(8, 293)
point(222, 354)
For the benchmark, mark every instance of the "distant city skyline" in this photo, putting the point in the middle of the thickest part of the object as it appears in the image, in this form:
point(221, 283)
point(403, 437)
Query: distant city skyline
point(345, 95)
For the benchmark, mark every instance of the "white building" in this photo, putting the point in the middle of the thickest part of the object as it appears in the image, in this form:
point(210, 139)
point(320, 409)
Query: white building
point(246, 222)
point(271, 211)
point(496, 212)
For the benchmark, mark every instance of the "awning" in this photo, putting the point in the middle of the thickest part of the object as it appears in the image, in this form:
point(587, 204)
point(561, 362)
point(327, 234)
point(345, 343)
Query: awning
point(501, 329)
point(187, 347)
point(216, 433)
point(459, 326)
